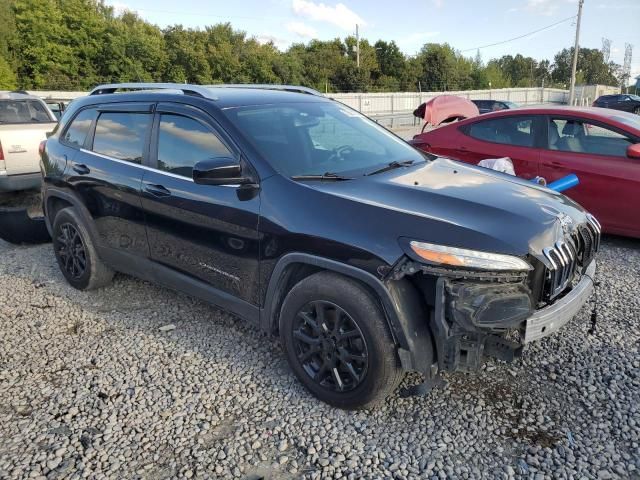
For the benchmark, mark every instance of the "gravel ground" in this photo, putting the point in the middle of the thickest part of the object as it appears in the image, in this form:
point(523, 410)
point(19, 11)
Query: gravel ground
point(90, 387)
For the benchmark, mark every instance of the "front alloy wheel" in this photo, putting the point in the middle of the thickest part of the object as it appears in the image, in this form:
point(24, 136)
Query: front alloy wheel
point(338, 342)
point(330, 346)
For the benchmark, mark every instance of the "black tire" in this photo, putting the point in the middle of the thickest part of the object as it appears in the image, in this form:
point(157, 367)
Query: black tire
point(359, 384)
point(71, 239)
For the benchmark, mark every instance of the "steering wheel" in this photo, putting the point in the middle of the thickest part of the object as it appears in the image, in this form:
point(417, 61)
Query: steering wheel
point(338, 153)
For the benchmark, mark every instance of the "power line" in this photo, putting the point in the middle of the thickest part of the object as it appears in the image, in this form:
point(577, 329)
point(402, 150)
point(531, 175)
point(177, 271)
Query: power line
point(521, 36)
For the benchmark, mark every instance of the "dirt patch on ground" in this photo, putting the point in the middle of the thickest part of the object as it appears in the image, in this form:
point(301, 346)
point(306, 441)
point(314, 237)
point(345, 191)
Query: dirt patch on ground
point(510, 402)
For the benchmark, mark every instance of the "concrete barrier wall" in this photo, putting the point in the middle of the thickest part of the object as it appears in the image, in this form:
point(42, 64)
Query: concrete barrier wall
point(397, 103)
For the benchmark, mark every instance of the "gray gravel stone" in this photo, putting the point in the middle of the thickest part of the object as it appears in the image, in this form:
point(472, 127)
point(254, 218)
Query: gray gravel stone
point(90, 387)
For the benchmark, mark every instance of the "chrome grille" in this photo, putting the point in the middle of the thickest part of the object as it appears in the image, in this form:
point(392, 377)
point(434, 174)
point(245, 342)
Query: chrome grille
point(565, 256)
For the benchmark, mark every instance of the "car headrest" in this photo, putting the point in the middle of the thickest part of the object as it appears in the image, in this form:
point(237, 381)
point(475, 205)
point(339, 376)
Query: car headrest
point(572, 128)
point(554, 136)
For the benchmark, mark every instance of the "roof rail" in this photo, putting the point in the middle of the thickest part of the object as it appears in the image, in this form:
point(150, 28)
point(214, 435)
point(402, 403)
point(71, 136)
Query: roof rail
point(195, 90)
point(268, 86)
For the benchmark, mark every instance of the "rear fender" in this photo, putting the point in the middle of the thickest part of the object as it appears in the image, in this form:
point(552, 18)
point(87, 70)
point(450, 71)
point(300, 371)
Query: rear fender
point(53, 193)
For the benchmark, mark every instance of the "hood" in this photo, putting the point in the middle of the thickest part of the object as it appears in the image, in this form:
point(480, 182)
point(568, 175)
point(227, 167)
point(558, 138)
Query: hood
point(461, 205)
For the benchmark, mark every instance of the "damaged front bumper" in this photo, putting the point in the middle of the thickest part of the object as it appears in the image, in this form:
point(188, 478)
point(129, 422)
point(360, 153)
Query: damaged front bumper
point(550, 319)
point(478, 315)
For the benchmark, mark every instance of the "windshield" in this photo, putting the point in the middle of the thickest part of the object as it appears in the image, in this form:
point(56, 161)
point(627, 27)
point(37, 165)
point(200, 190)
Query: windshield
point(23, 111)
point(300, 139)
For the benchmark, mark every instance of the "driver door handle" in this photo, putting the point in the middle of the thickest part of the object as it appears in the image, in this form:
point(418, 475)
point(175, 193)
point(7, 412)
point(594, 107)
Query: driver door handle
point(157, 190)
point(81, 169)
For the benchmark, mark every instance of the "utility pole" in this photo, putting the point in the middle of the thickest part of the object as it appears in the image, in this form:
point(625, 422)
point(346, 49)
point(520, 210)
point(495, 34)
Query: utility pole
point(357, 47)
point(626, 68)
point(576, 48)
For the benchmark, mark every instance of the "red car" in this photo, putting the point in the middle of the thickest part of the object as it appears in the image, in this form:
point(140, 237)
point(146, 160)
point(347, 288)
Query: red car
point(602, 147)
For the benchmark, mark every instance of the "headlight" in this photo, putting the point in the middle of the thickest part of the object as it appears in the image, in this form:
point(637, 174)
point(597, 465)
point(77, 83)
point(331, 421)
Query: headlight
point(461, 257)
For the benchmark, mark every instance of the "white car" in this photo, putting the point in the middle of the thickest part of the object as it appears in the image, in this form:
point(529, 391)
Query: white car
point(24, 123)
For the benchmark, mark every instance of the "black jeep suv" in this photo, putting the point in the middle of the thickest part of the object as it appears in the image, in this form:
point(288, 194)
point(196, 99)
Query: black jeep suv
point(367, 257)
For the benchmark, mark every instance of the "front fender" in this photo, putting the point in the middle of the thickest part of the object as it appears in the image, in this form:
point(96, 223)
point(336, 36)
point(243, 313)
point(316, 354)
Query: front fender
point(402, 306)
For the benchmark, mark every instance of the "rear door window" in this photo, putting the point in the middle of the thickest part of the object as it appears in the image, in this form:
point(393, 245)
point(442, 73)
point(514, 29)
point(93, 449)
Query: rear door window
point(183, 142)
point(122, 135)
point(516, 131)
point(76, 133)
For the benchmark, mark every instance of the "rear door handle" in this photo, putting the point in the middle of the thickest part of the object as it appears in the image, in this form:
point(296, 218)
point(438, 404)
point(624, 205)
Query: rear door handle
point(555, 163)
point(157, 190)
point(81, 169)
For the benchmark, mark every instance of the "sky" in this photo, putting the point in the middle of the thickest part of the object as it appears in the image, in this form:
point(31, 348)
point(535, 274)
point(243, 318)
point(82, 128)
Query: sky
point(464, 24)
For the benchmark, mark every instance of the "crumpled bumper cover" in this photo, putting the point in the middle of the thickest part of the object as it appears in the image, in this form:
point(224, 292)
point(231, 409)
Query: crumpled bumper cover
point(549, 320)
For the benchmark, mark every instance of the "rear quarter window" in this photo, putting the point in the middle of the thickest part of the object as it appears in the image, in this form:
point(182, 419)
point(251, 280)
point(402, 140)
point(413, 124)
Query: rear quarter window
point(76, 133)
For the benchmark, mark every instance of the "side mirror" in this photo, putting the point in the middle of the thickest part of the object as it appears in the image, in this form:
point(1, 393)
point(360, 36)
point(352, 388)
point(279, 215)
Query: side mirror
point(633, 151)
point(219, 171)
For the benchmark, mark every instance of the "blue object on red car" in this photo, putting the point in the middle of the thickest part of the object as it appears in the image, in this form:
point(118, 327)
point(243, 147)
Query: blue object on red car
point(564, 183)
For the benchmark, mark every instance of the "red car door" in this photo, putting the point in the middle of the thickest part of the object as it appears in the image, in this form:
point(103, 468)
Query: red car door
point(609, 180)
point(513, 136)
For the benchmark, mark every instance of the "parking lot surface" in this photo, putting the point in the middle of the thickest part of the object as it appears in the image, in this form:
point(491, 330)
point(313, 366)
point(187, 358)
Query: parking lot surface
point(91, 387)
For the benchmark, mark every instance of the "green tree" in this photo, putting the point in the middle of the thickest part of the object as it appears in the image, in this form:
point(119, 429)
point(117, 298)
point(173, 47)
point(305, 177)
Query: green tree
point(8, 78)
point(440, 67)
point(391, 60)
point(44, 59)
point(131, 50)
point(289, 68)
point(257, 62)
point(84, 23)
point(350, 78)
point(495, 76)
point(591, 66)
point(321, 60)
point(188, 58)
point(411, 75)
point(7, 29)
point(518, 69)
point(74, 44)
point(7, 75)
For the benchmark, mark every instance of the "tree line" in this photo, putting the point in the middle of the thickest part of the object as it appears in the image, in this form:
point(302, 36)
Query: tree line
point(77, 44)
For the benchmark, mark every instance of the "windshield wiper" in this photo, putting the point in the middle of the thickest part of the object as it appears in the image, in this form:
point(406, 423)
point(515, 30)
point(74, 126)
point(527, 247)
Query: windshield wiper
point(325, 176)
point(391, 166)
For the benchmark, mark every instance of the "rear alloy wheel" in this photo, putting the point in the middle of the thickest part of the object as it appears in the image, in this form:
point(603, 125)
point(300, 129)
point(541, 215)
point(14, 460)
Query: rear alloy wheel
point(338, 343)
point(75, 253)
point(71, 251)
